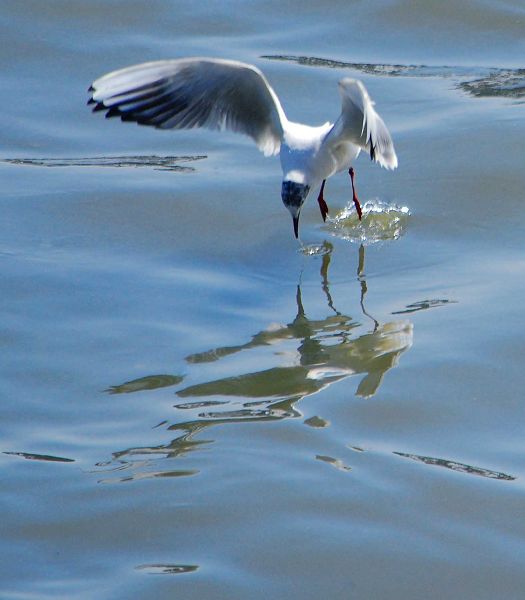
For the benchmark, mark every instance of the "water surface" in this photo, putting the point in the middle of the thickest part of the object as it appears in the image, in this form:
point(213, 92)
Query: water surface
point(197, 407)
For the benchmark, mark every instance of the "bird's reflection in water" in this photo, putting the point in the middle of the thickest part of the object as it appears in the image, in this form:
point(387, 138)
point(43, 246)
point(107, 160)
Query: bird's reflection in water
point(325, 351)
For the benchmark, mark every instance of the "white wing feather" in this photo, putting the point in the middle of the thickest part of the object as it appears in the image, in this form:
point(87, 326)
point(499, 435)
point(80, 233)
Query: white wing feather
point(195, 92)
point(360, 124)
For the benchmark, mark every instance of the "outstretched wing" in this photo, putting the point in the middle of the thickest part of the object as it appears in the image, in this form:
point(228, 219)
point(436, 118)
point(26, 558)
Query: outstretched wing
point(194, 92)
point(361, 125)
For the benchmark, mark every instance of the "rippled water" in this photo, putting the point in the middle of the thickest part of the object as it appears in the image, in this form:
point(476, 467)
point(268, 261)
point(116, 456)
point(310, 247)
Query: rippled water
point(197, 406)
point(478, 81)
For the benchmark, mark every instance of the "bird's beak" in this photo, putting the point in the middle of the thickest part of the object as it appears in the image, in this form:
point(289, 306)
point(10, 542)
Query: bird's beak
point(296, 225)
point(293, 195)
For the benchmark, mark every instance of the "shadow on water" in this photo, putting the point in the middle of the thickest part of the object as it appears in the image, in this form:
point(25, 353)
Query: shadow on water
point(476, 81)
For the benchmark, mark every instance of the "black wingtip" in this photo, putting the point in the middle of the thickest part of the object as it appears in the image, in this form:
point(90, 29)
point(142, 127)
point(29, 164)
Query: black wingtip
point(91, 101)
point(100, 106)
point(91, 89)
point(372, 151)
point(113, 112)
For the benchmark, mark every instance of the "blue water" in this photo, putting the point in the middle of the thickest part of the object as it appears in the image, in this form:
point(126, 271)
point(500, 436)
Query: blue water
point(193, 406)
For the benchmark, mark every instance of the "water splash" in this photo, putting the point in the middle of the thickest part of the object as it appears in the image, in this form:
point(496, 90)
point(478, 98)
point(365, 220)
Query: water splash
point(315, 249)
point(381, 222)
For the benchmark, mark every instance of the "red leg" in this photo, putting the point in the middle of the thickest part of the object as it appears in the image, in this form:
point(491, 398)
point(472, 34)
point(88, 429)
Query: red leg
point(323, 206)
point(355, 198)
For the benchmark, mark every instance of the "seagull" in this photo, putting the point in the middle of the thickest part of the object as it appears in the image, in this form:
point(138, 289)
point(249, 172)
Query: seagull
point(223, 94)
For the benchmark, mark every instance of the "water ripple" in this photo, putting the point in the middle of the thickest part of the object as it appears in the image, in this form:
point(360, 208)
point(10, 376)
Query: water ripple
point(337, 463)
point(43, 457)
point(160, 163)
point(457, 466)
point(423, 305)
point(476, 81)
point(167, 569)
point(150, 382)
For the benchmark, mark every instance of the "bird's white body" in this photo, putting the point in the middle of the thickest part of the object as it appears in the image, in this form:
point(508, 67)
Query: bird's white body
point(224, 94)
point(304, 157)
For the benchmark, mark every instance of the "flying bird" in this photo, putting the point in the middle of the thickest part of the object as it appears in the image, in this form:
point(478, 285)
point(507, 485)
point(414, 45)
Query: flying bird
point(230, 95)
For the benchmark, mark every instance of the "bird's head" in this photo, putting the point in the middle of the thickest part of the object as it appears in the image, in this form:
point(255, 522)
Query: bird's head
point(293, 195)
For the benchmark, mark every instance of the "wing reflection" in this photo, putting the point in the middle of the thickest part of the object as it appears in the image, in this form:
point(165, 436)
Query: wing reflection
point(309, 355)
